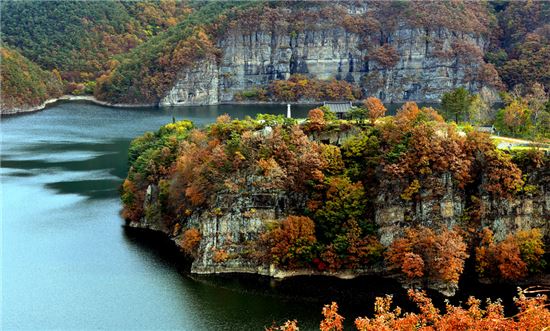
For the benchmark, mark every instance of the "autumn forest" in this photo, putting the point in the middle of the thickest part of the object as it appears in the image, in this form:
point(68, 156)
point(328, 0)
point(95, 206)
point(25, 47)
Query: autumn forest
point(436, 173)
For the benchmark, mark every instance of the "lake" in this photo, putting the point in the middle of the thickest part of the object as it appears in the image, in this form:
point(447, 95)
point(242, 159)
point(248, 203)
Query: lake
point(68, 262)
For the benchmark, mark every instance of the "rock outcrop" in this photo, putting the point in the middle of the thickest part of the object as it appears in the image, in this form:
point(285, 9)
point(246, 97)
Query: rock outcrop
point(197, 85)
point(503, 216)
point(228, 230)
point(429, 62)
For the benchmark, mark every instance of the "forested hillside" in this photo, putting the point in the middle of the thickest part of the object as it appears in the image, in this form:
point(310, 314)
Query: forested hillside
point(146, 73)
point(194, 52)
point(25, 84)
point(521, 43)
point(79, 38)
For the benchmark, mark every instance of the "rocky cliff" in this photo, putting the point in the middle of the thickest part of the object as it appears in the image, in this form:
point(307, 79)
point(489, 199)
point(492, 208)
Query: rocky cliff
point(503, 216)
point(396, 63)
point(227, 232)
point(248, 205)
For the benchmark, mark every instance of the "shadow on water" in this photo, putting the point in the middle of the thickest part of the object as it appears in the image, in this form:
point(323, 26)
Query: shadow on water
point(109, 158)
point(355, 296)
point(308, 294)
point(159, 246)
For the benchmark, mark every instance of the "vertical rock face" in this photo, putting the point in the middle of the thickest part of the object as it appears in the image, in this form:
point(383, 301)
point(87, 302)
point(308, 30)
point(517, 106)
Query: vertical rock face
point(441, 205)
point(253, 59)
point(197, 85)
point(236, 220)
point(503, 216)
point(397, 64)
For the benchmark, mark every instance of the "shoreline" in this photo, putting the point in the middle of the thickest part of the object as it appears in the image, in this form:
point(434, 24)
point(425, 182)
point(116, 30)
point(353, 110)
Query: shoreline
point(70, 98)
point(270, 271)
point(275, 274)
point(92, 99)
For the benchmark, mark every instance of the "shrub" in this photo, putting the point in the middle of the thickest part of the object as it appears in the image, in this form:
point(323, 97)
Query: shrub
point(291, 244)
point(512, 258)
point(190, 242)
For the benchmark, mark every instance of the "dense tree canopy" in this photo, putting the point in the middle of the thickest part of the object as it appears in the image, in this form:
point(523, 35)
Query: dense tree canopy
point(24, 83)
point(520, 46)
point(79, 38)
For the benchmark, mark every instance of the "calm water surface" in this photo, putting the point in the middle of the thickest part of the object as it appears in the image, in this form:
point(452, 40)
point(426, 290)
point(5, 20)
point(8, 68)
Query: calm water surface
point(68, 263)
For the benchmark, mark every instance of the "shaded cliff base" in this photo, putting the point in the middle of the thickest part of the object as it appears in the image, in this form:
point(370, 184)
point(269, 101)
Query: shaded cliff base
point(309, 284)
point(355, 296)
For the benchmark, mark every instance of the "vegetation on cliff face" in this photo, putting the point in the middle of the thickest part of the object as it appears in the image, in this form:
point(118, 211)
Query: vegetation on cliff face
point(24, 83)
point(301, 88)
point(195, 39)
point(515, 57)
point(405, 156)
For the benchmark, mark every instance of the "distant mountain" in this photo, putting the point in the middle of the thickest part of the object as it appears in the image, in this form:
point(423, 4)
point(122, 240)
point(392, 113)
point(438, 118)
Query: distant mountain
point(206, 52)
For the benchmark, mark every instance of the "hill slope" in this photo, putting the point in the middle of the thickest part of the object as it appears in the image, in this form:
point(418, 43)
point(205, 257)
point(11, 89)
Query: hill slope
point(24, 84)
point(79, 38)
point(196, 52)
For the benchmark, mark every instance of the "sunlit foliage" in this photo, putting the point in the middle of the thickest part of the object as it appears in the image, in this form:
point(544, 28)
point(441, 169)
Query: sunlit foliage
point(426, 253)
point(512, 258)
point(23, 83)
point(533, 315)
point(332, 189)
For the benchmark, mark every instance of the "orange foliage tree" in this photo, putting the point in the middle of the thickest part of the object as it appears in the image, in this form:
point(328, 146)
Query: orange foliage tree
point(386, 55)
point(190, 241)
point(290, 245)
point(533, 315)
point(499, 175)
point(316, 120)
point(375, 107)
point(132, 199)
point(299, 87)
point(422, 251)
point(332, 320)
point(512, 258)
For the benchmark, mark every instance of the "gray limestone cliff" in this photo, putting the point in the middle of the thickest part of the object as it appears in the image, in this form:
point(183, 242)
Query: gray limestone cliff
point(234, 222)
point(197, 85)
point(429, 62)
point(503, 216)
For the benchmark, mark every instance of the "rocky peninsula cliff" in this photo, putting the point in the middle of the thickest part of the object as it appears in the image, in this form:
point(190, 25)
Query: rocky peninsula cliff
point(339, 199)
